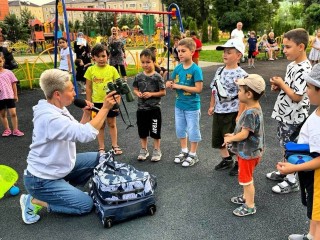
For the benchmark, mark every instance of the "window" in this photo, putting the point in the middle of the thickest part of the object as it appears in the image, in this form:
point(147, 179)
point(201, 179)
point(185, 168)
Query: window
point(132, 5)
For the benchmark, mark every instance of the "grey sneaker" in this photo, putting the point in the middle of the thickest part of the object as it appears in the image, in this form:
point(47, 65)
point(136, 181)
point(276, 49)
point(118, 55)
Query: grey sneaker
point(298, 237)
point(181, 157)
point(143, 154)
point(190, 161)
point(156, 155)
point(286, 187)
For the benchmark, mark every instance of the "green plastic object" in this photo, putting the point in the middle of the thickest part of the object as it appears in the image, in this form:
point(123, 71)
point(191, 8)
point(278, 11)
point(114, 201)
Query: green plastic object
point(148, 24)
point(8, 177)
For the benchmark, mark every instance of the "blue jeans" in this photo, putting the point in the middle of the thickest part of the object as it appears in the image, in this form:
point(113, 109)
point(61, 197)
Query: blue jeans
point(188, 124)
point(60, 194)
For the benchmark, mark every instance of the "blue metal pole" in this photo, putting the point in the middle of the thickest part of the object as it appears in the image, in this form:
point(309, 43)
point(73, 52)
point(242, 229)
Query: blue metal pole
point(66, 23)
point(56, 35)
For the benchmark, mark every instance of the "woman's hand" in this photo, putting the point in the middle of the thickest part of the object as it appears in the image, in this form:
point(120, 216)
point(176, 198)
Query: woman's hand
point(110, 100)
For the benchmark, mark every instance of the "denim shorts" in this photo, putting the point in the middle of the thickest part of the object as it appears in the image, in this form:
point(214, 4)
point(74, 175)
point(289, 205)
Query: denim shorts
point(188, 124)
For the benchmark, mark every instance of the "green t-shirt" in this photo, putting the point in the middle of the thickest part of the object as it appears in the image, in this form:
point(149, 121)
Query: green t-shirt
point(100, 76)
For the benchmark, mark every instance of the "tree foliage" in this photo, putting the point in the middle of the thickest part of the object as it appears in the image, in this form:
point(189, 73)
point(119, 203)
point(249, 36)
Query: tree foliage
point(250, 12)
point(215, 30)
point(313, 16)
point(15, 29)
point(205, 37)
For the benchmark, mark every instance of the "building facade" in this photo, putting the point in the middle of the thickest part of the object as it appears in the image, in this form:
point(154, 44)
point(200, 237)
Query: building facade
point(16, 7)
point(151, 5)
point(4, 9)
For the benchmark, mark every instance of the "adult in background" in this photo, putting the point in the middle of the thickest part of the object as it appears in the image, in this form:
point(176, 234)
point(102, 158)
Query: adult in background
point(82, 49)
point(237, 32)
point(196, 55)
point(273, 45)
point(54, 167)
point(117, 53)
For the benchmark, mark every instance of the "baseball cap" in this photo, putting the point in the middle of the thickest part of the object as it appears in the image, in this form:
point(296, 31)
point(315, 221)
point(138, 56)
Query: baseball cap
point(233, 43)
point(253, 81)
point(313, 77)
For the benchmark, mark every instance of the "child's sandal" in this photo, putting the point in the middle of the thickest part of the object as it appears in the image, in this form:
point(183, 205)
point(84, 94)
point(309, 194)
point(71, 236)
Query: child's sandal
point(101, 150)
point(117, 150)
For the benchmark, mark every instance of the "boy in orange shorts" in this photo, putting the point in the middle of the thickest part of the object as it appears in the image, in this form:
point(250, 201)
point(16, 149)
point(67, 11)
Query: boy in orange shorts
point(248, 140)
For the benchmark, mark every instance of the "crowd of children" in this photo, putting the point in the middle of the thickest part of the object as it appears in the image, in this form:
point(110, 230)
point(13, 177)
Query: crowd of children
point(237, 125)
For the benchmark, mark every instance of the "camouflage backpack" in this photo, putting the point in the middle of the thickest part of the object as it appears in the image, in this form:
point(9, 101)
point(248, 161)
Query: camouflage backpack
point(113, 181)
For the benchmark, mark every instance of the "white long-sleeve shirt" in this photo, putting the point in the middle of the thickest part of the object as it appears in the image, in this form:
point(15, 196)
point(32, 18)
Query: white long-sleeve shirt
point(53, 150)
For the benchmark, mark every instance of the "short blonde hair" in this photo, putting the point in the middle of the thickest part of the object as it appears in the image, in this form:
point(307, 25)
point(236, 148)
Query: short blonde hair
point(53, 80)
point(188, 43)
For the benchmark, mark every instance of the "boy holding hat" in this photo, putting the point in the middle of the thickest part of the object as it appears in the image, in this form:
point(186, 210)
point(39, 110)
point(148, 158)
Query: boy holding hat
point(247, 140)
point(224, 103)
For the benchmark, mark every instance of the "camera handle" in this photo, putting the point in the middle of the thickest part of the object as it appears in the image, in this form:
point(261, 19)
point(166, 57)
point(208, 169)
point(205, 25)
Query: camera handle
point(125, 108)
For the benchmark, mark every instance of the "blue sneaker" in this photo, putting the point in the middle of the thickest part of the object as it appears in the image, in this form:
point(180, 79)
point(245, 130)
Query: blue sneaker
point(28, 210)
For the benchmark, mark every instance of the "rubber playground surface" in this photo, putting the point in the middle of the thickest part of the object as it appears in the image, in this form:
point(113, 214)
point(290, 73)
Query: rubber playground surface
point(192, 203)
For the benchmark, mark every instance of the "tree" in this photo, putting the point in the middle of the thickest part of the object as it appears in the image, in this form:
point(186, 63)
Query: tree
point(215, 30)
point(193, 26)
point(313, 16)
point(14, 28)
point(205, 37)
point(228, 13)
point(77, 25)
point(198, 10)
point(89, 23)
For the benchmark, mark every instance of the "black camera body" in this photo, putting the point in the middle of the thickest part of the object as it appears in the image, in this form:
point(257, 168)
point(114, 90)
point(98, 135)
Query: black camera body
point(122, 88)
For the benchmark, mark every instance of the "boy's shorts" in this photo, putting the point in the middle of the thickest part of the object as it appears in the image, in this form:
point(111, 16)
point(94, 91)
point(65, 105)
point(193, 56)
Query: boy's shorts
point(111, 113)
point(310, 192)
point(7, 103)
point(246, 169)
point(222, 123)
point(288, 132)
point(188, 124)
point(149, 123)
point(250, 54)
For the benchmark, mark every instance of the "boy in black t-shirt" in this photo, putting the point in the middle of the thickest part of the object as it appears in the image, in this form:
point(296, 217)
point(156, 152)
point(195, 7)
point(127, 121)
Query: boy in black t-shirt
point(149, 87)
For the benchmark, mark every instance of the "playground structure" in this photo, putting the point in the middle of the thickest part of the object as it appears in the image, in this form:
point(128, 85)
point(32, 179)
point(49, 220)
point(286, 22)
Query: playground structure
point(42, 32)
point(173, 12)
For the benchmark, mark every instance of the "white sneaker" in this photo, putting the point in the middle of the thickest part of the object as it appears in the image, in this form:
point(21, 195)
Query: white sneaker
point(299, 237)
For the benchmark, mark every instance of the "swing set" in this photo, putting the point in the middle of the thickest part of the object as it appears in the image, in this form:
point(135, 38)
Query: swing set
point(173, 13)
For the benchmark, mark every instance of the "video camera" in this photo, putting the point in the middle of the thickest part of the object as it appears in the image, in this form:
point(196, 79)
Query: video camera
point(121, 88)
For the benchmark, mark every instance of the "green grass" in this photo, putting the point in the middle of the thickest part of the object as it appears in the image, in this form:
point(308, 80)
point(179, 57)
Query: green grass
point(211, 56)
point(22, 74)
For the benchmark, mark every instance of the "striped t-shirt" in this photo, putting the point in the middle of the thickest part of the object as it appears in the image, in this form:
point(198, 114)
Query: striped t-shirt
point(7, 78)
